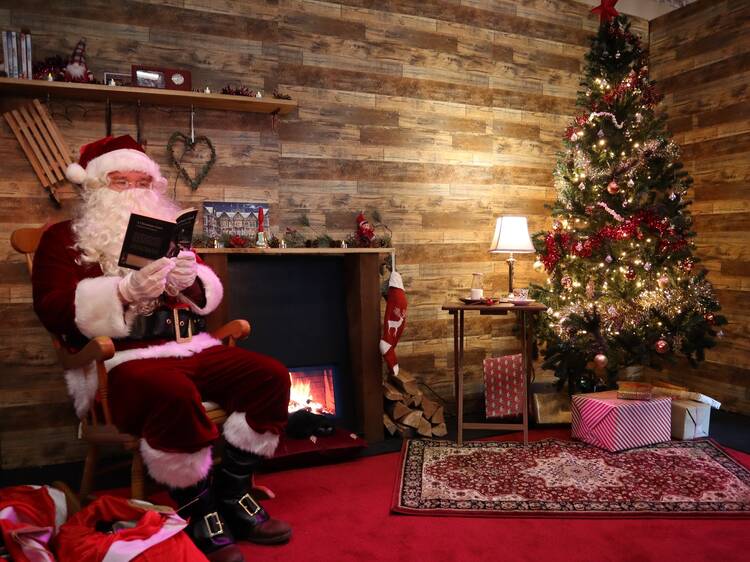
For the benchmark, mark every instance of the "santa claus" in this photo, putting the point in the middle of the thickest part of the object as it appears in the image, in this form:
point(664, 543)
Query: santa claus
point(157, 378)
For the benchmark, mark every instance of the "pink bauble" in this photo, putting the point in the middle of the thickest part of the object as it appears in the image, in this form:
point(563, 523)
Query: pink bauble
point(600, 361)
point(661, 346)
point(663, 281)
point(613, 188)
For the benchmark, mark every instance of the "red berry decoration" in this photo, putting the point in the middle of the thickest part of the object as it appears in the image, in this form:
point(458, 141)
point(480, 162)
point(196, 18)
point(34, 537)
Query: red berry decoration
point(661, 347)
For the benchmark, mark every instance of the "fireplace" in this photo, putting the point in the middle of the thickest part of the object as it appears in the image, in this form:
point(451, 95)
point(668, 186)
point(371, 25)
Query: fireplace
point(312, 307)
point(313, 389)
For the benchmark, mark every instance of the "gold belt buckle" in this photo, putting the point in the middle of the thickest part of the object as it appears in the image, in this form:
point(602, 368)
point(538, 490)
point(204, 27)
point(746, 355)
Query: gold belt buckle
point(178, 324)
point(213, 517)
point(253, 508)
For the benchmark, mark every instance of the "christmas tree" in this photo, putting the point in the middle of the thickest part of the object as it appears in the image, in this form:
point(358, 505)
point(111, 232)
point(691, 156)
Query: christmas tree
point(623, 287)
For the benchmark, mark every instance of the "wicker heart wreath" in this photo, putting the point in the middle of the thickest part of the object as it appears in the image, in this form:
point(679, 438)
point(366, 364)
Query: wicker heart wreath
point(190, 145)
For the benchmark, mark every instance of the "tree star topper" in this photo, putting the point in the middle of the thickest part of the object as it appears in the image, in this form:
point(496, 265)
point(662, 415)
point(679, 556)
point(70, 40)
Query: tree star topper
point(606, 10)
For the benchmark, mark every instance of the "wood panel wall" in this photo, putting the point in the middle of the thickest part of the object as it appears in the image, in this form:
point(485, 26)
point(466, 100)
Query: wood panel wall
point(700, 57)
point(439, 114)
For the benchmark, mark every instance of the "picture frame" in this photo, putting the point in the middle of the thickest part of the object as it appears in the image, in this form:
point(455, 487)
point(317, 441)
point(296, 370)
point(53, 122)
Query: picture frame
point(161, 78)
point(233, 218)
point(119, 78)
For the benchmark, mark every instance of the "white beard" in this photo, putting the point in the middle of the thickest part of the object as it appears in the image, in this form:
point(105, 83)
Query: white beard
point(103, 219)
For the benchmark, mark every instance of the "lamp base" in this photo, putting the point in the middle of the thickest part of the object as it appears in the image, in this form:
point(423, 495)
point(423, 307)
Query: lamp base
point(511, 263)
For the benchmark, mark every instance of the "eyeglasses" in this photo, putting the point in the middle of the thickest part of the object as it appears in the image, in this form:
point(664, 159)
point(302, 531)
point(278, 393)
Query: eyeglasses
point(121, 183)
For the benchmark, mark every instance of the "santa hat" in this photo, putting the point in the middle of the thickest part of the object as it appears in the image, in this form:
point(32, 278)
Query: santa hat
point(111, 154)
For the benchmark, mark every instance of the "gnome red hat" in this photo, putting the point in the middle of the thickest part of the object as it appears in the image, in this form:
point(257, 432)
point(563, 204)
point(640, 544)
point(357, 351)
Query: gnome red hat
point(111, 154)
point(76, 70)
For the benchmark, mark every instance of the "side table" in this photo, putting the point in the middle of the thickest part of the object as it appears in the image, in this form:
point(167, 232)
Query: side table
point(525, 313)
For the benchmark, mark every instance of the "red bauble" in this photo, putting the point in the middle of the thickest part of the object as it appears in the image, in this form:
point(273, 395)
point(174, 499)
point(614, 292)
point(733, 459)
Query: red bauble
point(710, 318)
point(613, 188)
point(661, 346)
point(630, 274)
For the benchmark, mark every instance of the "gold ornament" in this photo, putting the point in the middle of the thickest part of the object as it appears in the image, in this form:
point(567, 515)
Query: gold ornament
point(538, 266)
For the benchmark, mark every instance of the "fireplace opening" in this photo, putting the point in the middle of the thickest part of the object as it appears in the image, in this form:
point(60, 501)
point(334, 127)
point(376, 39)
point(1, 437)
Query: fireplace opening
point(313, 389)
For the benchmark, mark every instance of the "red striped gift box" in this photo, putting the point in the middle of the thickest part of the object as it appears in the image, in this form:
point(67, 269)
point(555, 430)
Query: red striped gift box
point(604, 420)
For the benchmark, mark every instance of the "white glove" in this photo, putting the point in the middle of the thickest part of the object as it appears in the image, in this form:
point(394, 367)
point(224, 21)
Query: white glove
point(146, 283)
point(183, 274)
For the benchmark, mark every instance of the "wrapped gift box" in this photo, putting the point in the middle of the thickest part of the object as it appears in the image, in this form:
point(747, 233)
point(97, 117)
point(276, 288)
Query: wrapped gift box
point(504, 386)
point(604, 420)
point(690, 419)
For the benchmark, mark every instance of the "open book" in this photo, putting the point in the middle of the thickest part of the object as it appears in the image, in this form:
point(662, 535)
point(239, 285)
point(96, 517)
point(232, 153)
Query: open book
point(148, 238)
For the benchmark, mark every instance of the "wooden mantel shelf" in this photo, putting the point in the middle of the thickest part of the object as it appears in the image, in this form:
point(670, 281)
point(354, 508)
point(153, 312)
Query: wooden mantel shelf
point(155, 96)
point(294, 251)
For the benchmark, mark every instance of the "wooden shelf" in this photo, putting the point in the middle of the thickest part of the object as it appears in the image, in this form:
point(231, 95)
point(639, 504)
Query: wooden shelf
point(98, 92)
point(294, 251)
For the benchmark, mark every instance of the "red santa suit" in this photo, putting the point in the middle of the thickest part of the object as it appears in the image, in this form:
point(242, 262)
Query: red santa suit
point(156, 386)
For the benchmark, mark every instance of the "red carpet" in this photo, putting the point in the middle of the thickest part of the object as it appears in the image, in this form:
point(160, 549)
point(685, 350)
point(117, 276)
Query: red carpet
point(341, 513)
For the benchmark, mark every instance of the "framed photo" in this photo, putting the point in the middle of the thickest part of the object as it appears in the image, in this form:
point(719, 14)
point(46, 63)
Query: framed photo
point(117, 79)
point(164, 78)
point(233, 218)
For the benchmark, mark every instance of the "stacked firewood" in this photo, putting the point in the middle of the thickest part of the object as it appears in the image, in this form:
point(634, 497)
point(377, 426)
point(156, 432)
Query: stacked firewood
point(408, 411)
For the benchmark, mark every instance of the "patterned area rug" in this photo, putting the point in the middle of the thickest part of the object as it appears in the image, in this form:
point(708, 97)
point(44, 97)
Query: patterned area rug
point(565, 478)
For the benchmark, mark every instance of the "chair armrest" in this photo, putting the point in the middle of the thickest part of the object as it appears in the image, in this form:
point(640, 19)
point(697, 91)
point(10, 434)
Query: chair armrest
point(236, 329)
point(99, 348)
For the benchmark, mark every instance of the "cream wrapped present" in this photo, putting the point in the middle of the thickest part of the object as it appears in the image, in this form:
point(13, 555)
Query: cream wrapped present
point(690, 419)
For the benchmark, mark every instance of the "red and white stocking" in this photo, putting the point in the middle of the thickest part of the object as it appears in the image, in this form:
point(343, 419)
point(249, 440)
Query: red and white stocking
point(395, 320)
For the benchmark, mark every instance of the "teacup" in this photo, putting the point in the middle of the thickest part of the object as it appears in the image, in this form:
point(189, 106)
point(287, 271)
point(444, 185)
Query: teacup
point(521, 294)
point(476, 294)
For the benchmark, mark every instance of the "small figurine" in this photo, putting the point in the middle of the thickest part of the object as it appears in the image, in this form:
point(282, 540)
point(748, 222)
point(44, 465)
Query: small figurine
point(206, 90)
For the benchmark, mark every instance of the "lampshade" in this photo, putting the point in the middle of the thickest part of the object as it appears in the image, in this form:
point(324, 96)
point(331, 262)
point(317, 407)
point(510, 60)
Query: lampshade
point(511, 235)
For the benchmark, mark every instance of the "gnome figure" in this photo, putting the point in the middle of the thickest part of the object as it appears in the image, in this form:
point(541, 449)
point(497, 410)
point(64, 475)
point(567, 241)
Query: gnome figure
point(76, 70)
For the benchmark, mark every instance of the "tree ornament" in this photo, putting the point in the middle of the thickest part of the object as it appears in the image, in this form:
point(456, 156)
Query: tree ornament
point(720, 334)
point(630, 273)
point(647, 266)
point(590, 289)
point(638, 117)
point(581, 186)
point(600, 360)
point(538, 266)
point(608, 259)
point(600, 134)
point(687, 265)
point(710, 318)
point(631, 183)
point(663, 281)
point(613, 188)
point(661, 346)
point(556, 226)
point(567, 282)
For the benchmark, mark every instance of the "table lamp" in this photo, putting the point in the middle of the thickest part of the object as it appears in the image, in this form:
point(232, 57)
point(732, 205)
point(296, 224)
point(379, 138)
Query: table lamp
point(511, 236)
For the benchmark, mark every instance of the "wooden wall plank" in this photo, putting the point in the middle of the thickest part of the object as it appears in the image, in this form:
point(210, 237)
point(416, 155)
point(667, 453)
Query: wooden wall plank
point(440, 114)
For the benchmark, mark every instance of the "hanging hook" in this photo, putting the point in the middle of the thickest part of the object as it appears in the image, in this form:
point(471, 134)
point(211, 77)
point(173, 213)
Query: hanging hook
point(108, 117)
point(192, 124)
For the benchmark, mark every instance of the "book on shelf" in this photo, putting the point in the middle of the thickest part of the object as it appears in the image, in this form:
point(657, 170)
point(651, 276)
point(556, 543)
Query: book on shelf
point(150, 238)
point(17, 59)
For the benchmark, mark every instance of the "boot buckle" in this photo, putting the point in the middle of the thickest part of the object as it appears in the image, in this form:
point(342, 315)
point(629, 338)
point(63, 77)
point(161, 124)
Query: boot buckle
point(250, 506)
point(213, 524)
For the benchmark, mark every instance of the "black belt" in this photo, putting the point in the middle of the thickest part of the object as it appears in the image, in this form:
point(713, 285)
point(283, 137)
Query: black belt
point(161, 325)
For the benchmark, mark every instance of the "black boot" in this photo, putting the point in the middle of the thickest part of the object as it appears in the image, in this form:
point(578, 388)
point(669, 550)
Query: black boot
point(206, 527)
point(245, 516)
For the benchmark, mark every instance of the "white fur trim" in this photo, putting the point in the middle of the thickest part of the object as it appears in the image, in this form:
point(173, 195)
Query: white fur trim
point(127, 550)
point(82, 385)
point(99, 311)
point(212, 288)
point(170, 349)
point(396, 281)
point(241, 435)
point(75, 173)
point(384, 347)
point(123, 160)
point(177, 470)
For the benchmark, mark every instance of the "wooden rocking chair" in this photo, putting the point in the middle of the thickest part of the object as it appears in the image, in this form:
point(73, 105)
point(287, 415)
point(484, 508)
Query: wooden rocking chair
point(97, 428)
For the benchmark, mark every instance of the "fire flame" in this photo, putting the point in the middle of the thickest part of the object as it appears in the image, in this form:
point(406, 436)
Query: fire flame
point(300, 398)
